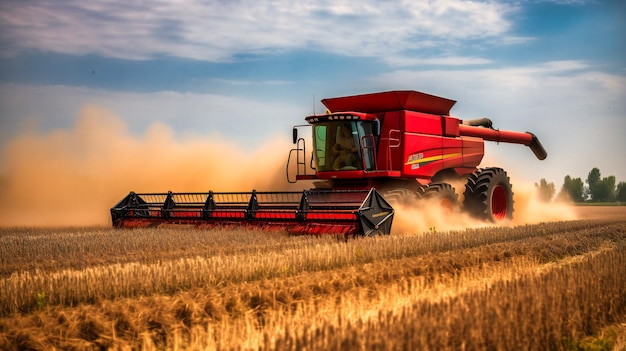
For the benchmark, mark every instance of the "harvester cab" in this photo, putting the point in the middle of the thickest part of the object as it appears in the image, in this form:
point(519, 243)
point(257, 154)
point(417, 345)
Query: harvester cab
point(368, 151)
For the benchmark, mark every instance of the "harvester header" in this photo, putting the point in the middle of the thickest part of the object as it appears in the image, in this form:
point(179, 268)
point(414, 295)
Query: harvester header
point(369, 151)
point(316, 211)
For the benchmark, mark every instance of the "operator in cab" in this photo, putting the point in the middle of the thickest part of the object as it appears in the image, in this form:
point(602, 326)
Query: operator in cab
point(345, 150)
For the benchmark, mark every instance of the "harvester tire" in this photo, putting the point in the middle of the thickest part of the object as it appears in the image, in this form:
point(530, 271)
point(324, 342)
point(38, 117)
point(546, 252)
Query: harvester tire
point(400, 196)
point(489, 195)
point(444, 193)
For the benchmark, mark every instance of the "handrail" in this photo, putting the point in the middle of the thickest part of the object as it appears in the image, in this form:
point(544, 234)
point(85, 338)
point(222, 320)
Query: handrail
point(368, 143)
point(300, 151)
point(398, 141)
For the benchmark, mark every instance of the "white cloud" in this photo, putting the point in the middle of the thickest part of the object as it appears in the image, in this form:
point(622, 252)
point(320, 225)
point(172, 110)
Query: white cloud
point(403, 61)
point(513, 40)
point(252, 82)
point(219, 30)
point(567, 2)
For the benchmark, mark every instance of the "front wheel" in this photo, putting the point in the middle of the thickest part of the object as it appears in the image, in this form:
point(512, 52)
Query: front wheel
point(489, 195)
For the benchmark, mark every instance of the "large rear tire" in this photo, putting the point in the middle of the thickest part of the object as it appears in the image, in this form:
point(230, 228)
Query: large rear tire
point(443, 193)
point(489, 195)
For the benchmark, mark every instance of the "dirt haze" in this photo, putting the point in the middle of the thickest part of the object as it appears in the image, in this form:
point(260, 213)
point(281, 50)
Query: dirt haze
point(71, 177)
point(425, 216)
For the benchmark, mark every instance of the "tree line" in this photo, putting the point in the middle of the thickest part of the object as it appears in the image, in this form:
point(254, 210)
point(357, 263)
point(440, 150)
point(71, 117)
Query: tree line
point(595, 189)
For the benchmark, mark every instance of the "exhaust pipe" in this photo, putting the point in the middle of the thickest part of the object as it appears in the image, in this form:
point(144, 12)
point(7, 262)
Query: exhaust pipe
point(480, 122)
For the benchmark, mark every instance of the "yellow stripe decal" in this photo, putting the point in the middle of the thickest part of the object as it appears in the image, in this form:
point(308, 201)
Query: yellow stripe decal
point(434, 158)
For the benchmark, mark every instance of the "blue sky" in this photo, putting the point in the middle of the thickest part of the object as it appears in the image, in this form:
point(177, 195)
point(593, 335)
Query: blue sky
point(248, 70)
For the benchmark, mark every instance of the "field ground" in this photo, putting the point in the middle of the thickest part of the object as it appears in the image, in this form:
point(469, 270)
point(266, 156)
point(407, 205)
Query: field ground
point(546, 286)
point(600, 212)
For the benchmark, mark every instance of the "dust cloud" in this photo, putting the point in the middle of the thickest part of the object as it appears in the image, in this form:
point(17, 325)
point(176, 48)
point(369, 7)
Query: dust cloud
point(424, 216)
point(72, 177)
point(530, 209)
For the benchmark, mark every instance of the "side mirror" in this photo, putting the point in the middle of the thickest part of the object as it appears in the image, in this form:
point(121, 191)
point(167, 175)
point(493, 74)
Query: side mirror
point(376, 127)
point(295, 134)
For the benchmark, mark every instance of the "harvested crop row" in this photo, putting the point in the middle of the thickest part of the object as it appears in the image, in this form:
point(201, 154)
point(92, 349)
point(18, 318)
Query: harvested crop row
point(50, 250)
point(22, 291)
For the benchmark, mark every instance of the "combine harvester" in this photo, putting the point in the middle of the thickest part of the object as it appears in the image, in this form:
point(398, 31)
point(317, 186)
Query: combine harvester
point(368, 151)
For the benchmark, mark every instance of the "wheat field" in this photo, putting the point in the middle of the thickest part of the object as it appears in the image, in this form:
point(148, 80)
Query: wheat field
point(548, 286)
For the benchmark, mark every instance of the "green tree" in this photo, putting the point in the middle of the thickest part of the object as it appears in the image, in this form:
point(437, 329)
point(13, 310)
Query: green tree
point(593, 178)
point(621, 192)
point(605, 189)
point(545, 190)
point(572, 189)
point(600, 189)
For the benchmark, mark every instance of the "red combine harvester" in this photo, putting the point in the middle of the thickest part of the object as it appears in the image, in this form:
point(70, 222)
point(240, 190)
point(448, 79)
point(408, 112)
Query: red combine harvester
point(368, 151)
